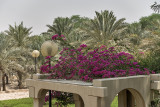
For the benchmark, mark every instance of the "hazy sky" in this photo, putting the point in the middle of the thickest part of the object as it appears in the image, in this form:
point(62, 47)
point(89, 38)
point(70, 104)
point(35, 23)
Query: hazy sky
point(39, 13)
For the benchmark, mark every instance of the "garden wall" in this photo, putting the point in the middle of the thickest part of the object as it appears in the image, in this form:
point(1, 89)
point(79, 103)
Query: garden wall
point(131, 91)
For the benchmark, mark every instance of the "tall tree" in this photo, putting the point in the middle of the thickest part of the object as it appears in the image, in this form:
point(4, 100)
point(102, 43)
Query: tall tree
point(20, 37)
point(7, 54)
point(60, 26)
point(155, 7)
point(19, 34)
point(69, 27)
point(3, 48)
point(146, 22)
point(104, 26)
point(135, 33)
point(37, 41)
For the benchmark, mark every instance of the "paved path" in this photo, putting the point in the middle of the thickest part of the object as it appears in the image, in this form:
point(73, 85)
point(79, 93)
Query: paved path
point(14, 94)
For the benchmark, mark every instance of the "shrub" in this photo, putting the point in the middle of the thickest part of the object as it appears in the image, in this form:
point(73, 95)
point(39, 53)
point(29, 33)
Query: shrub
point(86, 64)
point(89, 65)
point(150, 60)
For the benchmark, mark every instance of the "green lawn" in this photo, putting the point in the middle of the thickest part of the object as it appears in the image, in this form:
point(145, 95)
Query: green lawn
point(115, 102)
point(28, 102)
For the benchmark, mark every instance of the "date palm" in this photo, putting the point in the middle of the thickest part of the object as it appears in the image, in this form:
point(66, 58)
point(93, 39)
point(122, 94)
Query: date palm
point(155, 7)
point(7, 54)
point(136, 33)
point(70, 28)
point(37, 41)
point(3, 48)
point(104, 26)
point(60, 26)
point(19, 34)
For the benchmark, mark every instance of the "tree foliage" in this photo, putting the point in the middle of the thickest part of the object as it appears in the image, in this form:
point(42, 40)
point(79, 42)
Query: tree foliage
point(19, 34)
point(104, 26)
point(155, 7)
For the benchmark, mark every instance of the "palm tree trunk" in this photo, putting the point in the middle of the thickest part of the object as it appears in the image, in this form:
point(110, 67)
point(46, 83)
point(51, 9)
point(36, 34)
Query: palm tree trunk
point(3, 82)
point(7, 79)
point(0, 82)
point(19, 80)
point(0, 86)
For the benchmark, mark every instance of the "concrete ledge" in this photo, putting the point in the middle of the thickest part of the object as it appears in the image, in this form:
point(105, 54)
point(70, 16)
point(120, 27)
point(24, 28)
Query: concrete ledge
point(102, 82)
point(155, 77)
point(74, 82)
point(70, 86)
point(40, 76)
point(155, 85)
point(98, 91)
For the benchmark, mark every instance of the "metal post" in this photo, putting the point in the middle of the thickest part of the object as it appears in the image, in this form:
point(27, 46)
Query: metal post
point(50, 96)
point(50, 99)
point(35, 65)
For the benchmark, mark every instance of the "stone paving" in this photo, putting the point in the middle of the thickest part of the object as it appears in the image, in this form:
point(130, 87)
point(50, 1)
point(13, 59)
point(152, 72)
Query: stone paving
point(24, 93)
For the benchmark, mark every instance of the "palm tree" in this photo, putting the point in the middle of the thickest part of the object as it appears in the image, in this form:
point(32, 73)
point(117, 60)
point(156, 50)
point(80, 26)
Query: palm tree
point(135, 32)
point(61, 26)
point(20, 37)
point(37, 41)
point(19, 34)
point(3, 48)
point(153, 40)
point(77, 35)
point(70, 28)
point(155, 7)
point(20, 70)
point(104, 26)
point(6, 55)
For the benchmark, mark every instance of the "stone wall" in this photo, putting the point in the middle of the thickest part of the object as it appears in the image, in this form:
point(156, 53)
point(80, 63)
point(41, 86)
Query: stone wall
point(133, 90)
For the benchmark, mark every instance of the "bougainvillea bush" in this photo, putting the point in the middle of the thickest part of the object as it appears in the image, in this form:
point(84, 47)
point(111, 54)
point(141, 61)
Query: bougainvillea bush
point(99, 63)
point(87, 64)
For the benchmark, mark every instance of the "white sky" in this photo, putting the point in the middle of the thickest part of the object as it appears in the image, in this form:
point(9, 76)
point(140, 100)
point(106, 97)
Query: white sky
point(39, 13)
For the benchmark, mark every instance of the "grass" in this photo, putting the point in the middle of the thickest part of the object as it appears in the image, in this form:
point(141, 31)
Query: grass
point(115, 102)
point(24, 102)
point(28, 102)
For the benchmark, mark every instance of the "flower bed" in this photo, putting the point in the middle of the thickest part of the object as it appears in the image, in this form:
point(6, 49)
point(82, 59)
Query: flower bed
point(99, 63)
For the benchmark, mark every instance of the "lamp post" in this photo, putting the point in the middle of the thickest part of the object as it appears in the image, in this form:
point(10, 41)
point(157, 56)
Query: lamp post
point(49, 48)
point(35, 54)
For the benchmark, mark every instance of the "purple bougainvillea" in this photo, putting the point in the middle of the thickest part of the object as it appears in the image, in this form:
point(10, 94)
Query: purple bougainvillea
point(98, 63)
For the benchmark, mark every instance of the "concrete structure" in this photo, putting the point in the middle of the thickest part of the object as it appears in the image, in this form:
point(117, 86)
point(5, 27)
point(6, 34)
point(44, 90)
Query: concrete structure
point(132, 91)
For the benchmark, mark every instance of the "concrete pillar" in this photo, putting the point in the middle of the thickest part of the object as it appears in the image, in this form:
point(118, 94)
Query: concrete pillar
point(78, 100)
point(104, 102)
point(37, 102)
point(154, 94)
point(122, 99)
point(92, 101)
